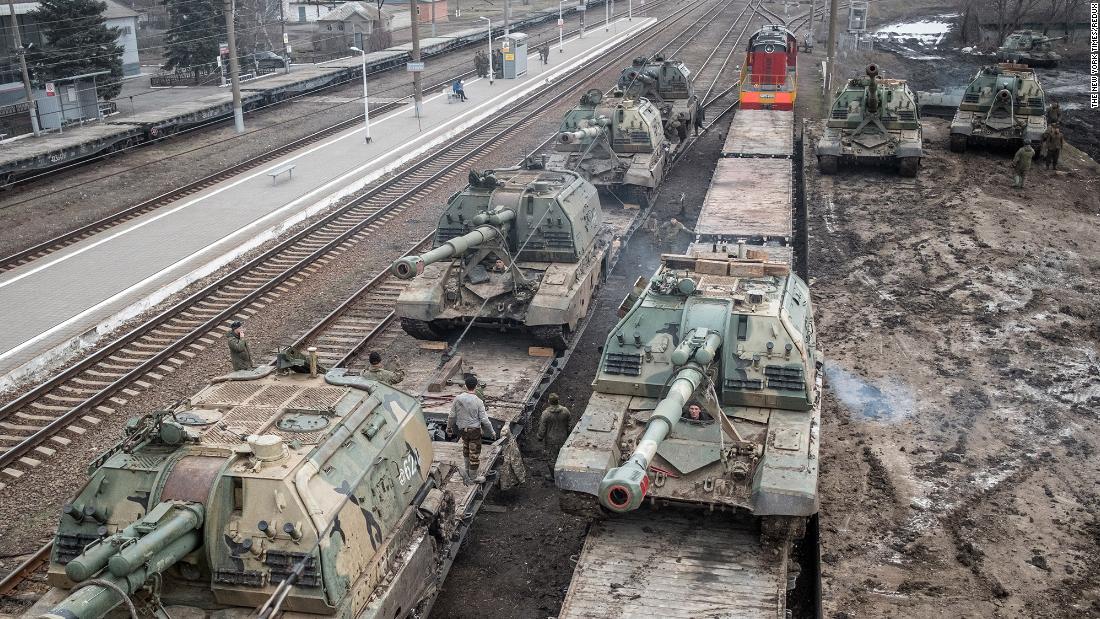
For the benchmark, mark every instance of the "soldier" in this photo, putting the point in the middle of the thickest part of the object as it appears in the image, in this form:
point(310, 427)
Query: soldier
point(1054, 114)
point(239, 352)
point(667, 232)
point(544, 53)
point(1052, 147)
point(554, 426)
point(481, 63)
point(695, 413)
point(470, 421)
point(498, 63)
point(512, 471)
point(499, 266)
point(1021, 163)
point(379, 373)
point(700, 116)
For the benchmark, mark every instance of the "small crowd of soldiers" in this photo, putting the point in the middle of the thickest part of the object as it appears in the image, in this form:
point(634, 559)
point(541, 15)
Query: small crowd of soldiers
point(1050, 148)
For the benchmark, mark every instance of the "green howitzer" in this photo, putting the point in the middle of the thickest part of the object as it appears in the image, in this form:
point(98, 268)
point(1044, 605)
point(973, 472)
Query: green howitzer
point(490, 226)
point(113, 568)
point(624, 488)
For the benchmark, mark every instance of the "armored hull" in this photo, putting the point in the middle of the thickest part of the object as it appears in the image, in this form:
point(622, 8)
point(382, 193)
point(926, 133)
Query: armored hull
point(669, 85)
point(1004, 105)
point(324, 493)
point(518, 249)
point(872, 121)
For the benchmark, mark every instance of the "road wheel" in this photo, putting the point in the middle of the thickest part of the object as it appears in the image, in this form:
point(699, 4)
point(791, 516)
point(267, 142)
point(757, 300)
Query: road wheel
point(550, 336)
point(958, 143)
point(421, 329)
point(908, 166)
point(828, 164)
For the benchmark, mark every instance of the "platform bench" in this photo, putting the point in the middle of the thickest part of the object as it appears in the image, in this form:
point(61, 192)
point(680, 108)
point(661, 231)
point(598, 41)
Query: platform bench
point(288, 169)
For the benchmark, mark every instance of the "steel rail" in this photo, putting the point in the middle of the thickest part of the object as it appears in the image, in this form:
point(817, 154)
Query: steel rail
point(61, 241)
point(25, 446)
point(41, 557)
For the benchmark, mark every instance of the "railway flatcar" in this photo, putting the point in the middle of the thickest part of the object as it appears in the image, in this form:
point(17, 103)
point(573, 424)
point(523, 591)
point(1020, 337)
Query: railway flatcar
point(750, 201)
point(770, 71)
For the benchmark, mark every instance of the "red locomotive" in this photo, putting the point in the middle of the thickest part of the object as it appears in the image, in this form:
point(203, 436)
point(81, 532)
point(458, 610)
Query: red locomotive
point(769, 74)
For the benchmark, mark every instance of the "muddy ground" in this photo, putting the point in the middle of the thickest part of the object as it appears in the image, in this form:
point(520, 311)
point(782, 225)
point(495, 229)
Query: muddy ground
point(959, 318)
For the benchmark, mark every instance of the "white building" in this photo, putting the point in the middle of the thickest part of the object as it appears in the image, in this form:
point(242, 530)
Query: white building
point(125, 20)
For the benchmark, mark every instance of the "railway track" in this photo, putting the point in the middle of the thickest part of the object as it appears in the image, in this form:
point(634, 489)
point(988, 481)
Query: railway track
point(52, 245)
point(365, 319)
point(45, 418)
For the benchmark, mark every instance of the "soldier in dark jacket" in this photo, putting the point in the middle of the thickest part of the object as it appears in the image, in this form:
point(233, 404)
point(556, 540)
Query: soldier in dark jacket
point(1052, 147)
point(554, 426)
point(239, 352)
point(1054, 114)
point(1021, 163)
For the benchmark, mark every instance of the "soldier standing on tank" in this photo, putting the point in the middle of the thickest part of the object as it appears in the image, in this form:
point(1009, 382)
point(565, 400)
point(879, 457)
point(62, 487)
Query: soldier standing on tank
point(469, 419)
point(239, 352)
point(1021, 163)
point(1052, 147)
point(554, 426)
point(379, 373)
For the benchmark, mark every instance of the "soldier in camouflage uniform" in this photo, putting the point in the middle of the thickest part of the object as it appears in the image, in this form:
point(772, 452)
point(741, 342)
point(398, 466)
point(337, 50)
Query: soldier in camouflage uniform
point(377, 372)
point(668, 231)
point(239, 352)
point(512, 470)
point(554, 426)
point(470, 421)
point(1021, 163)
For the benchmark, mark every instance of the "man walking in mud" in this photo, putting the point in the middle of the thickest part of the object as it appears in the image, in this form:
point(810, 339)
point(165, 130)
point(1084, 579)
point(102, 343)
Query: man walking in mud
point(470, 421)
point(1021, 163)
point(554, 426)
point(1052, 147)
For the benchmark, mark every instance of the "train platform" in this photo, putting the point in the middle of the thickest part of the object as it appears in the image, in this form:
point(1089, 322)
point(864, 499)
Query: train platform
point(55, 306)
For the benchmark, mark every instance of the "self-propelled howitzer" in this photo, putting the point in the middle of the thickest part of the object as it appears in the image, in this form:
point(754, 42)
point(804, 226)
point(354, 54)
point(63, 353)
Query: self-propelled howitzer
point(618, 144)
point(1003, 105)
point(734, 337)
point(324, 488)
point(518, 249)
point(872, 120)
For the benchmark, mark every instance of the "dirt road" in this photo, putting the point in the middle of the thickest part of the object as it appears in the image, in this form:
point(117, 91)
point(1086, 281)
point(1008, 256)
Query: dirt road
point(959, 320)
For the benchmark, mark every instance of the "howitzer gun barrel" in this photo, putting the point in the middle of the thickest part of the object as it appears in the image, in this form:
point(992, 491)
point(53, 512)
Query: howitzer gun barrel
point(872, 89)
point(623, 488)
point(174, 531)
point(572, 137)
point(489, 225)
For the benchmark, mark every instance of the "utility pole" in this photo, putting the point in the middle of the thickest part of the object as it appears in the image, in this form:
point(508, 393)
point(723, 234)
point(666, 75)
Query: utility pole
point(830, 59)
point(811, 25)
point(417, 95)
point(33, 109)
point(234, 68)
point(507, 16)
point(286, 41)
point(433, 18)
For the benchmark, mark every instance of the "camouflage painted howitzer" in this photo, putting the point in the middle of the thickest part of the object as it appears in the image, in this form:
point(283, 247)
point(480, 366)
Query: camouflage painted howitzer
point(1003, 105)
point(872, 120)
point(735, 336)
point(320, 491)
point(517, 250)
point(1031, 48)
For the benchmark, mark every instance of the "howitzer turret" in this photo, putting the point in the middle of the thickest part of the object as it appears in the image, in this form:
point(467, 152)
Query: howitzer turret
point(492, 268)
point(411, 266)
point(624, 487)
point(586, 133)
